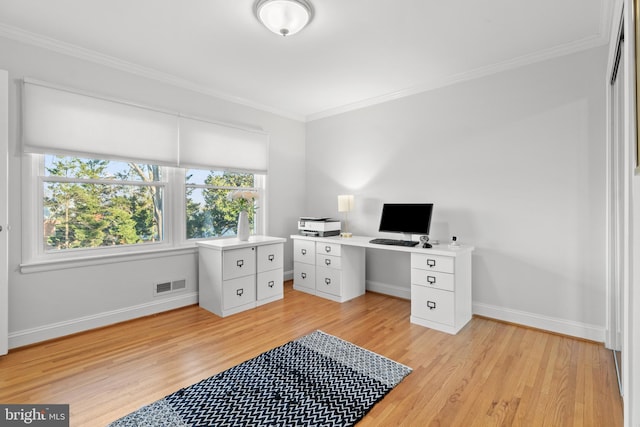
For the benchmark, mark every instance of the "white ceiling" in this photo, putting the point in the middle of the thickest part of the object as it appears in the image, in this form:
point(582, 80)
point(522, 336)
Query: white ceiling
point(354, 52)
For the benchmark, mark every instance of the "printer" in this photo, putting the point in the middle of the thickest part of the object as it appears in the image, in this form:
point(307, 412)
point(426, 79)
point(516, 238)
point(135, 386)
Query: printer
point(318, 227)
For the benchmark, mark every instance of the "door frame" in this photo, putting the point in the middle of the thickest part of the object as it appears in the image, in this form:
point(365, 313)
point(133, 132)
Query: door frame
point(4, 212)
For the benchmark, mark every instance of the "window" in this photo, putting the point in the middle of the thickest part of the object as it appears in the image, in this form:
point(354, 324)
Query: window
point(166, 189)
point(87, 207)
point(211, 208)
point(90, 203)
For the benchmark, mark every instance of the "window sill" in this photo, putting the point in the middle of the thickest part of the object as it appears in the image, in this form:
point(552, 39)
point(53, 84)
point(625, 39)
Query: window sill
point(62, 264)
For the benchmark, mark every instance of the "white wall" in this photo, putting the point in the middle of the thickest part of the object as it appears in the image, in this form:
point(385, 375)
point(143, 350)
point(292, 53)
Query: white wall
point(48, 304)
point(514, 163)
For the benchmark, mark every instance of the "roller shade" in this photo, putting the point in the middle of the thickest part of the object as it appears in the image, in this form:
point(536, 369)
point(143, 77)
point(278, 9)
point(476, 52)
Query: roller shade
point(208, 145)
point(63, 122)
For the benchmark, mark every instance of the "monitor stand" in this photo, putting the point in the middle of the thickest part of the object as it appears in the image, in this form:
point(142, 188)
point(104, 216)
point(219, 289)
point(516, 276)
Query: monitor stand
point(406, 236)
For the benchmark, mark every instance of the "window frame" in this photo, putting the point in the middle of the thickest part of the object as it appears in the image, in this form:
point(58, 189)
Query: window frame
point(35, 258)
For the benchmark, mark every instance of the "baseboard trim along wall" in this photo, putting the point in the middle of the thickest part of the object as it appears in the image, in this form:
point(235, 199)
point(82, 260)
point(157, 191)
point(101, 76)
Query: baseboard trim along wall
point(532, 320)
point(551, 324)
point(387, 289)
point(60, 329)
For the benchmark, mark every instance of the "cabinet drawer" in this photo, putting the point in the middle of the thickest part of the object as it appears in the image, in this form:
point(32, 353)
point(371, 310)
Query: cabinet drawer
point(328, 261)
point(304, 275)
point(269, 284)
point(304, 251)
point(328, 249)
point(270, 257)
point(432, 304)
point(236, 292)
point(238, 263)
point(432, 262)
point(328, 280)
point(432, 279)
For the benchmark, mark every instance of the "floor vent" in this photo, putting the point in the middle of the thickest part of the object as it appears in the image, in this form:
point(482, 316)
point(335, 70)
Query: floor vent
point(169, 287)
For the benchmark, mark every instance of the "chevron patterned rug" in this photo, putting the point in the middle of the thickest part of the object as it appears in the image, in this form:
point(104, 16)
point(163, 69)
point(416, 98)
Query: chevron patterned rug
point(316, 380)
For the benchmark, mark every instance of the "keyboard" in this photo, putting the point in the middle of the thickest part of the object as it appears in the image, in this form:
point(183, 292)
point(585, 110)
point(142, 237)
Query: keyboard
point(393, 242)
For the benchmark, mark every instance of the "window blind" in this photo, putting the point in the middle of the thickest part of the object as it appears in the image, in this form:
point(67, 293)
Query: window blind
point(205, 145)
point(61, 121)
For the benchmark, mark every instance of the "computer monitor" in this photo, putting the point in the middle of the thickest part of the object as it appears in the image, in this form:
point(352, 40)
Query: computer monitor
point(406, 218)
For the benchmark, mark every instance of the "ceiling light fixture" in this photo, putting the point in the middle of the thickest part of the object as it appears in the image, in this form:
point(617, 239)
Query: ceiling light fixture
point(284, 17)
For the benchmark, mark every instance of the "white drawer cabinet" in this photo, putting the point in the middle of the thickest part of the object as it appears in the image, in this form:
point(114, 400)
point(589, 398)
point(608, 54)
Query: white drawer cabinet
point(234, 275)
point(441, 290)
point(329, 270)
point(238, 263)
point(304, 266)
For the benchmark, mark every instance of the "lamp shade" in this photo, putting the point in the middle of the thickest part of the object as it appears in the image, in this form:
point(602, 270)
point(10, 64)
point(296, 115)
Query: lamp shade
point(284, 17)
point(345, 203)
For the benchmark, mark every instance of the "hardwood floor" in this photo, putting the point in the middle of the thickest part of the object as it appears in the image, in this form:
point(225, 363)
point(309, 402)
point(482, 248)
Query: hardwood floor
point(490, 374)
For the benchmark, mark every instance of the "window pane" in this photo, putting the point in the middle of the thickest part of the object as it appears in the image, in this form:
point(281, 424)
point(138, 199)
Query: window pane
point(75, 167)
point(211, 212)
point(219, 178)
point(80, 215)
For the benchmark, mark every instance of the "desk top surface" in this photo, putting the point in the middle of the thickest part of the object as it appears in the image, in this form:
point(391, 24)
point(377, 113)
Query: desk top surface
point(364, 242)
point(234, 243)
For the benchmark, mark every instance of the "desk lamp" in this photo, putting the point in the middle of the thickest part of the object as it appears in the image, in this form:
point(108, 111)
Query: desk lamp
point(345, 204)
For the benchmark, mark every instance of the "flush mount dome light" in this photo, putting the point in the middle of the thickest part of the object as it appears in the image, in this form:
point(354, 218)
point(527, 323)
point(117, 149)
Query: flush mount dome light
point(284, 17)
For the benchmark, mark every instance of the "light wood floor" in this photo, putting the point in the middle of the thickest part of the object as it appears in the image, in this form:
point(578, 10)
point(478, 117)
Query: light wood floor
point(490, 374)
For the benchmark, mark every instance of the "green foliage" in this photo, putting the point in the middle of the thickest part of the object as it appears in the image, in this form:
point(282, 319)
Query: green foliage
point(88, 215)
point(83, 213)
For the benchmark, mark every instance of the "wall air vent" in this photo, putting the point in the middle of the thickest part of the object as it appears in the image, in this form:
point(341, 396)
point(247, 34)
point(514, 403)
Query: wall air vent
point(162, 288)
point(178, 284)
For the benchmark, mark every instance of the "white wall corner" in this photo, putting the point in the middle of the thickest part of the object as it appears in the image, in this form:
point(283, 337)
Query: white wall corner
point(551, 324)
point(60, 329)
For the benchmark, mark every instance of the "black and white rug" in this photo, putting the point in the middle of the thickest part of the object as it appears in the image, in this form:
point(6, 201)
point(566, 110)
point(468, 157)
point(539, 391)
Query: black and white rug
point(316, 380)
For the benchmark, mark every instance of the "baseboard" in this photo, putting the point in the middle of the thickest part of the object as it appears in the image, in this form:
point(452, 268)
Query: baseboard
point(56, 330)
point(288, 275)
point(387, 289)
point(532, 320)
point(551, 324)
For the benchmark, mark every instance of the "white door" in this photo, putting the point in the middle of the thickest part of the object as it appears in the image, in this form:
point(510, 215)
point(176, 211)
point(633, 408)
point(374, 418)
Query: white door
point(4, 211)
point(618, 211)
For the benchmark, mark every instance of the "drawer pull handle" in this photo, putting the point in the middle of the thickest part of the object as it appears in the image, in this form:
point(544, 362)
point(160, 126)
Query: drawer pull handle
point(240, 263)
point(431, 280)
point(304, 275)
point(431, 305)
point(431, 262)
point(304, 251)
point(327, 280)
point(272, 257)
point(239, 292)
point(271, 283)
point(327, 261)
point(327, 249)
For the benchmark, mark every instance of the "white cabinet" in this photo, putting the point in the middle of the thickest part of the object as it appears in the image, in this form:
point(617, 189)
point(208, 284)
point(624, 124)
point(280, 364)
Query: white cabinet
point(441, 290)
point(329, 270)
point(238, 275)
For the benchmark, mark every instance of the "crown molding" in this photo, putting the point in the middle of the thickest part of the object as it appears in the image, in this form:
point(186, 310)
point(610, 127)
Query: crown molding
point(558, 51)
point(69, 49)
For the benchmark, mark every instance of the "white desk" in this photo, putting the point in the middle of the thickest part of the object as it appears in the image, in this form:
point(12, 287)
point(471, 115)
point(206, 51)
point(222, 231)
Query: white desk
point(334, 268)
